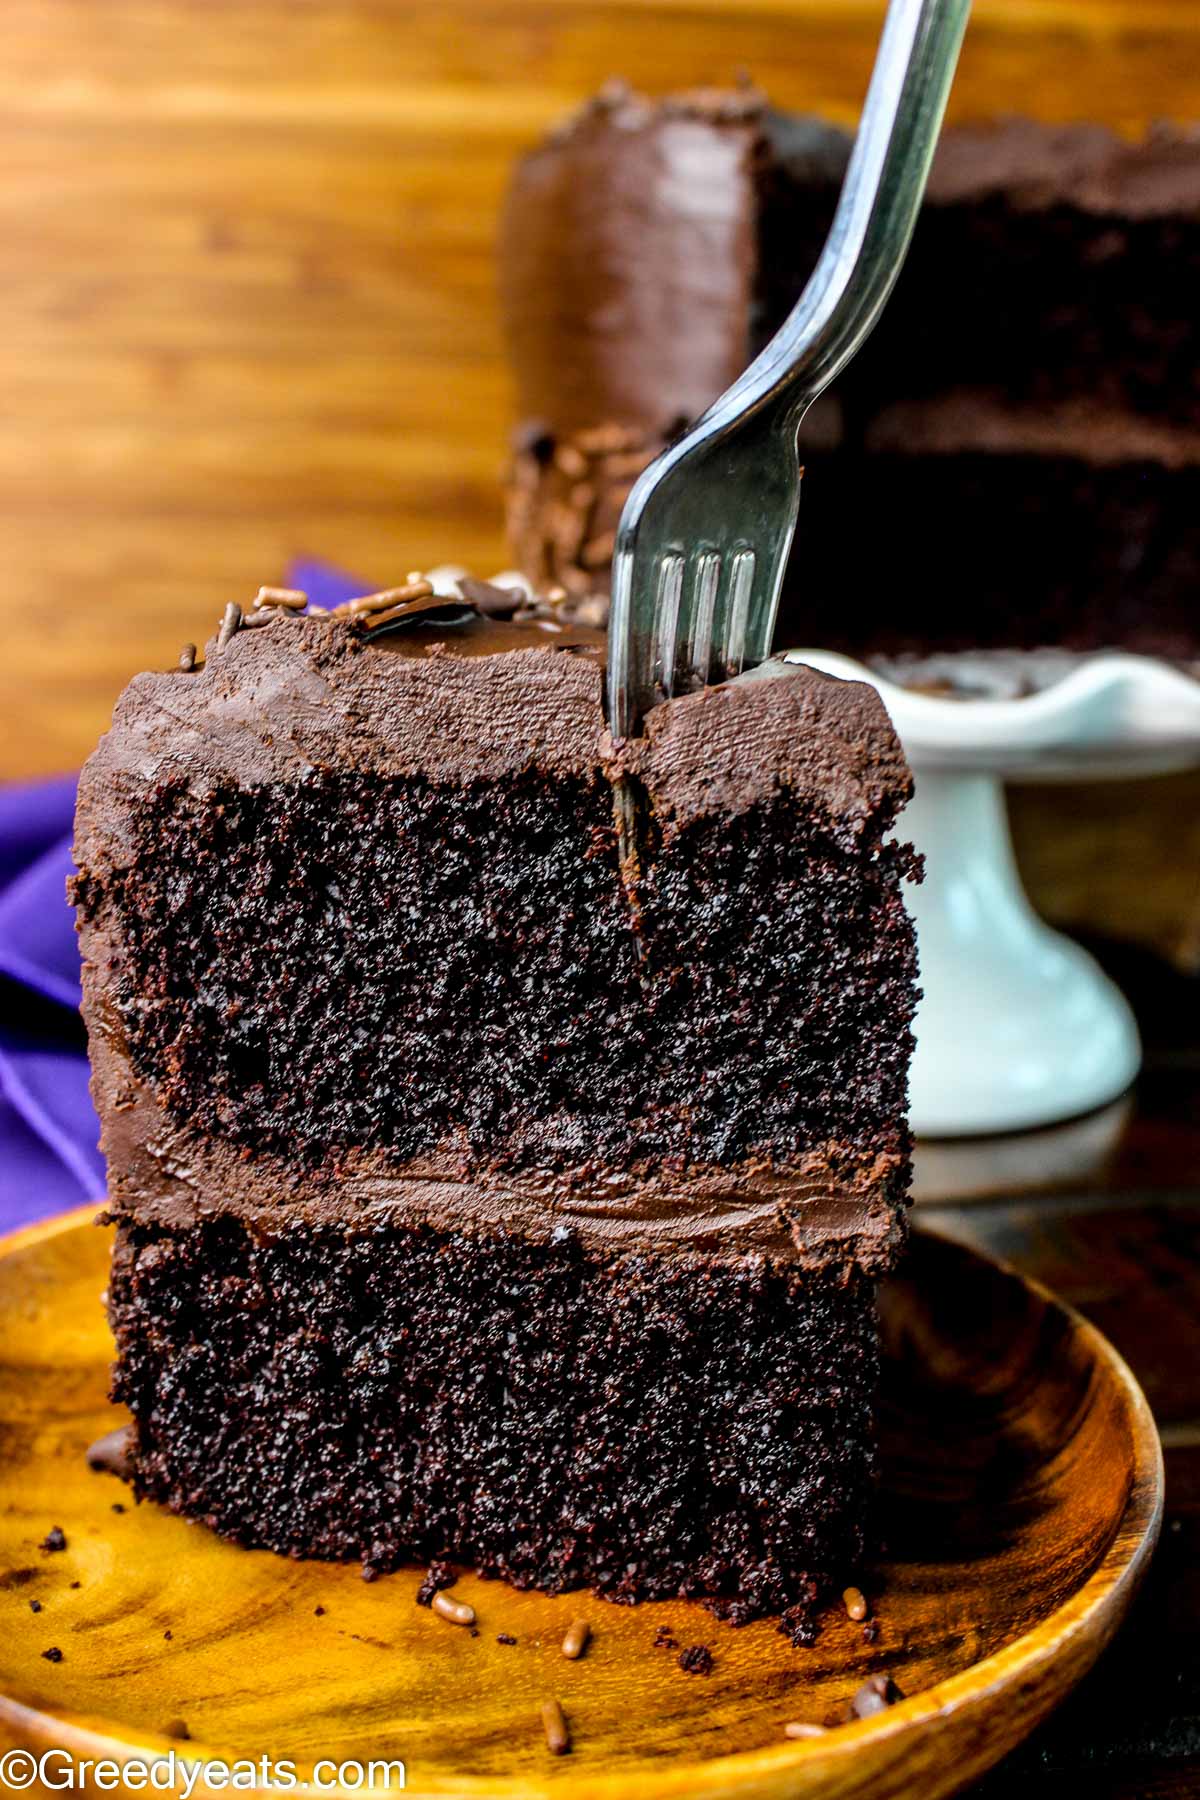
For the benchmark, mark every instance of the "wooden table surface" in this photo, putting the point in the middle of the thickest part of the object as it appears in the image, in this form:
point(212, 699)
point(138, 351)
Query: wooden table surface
point(1117, 1233)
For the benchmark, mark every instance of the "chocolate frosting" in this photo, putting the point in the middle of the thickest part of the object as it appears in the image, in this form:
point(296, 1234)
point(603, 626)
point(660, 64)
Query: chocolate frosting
point(646, 216)
point(975, 419)
point(483, 702)
point(830, 1207)
point(725, 749)
point(303, 694)
point(1089, 167)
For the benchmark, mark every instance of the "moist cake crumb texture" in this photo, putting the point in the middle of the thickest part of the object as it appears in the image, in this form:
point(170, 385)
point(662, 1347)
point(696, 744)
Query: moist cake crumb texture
point(346, 963)
point(646, 1428)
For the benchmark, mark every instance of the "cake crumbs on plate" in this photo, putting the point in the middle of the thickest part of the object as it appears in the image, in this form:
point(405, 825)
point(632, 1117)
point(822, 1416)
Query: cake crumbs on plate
point(437, 1576)
point(696, 1659)
point(875, 1695)
point(110, 1454)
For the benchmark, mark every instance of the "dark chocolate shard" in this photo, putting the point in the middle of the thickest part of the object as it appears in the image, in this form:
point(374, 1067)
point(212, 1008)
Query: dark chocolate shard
point(439, 610)
point(489, 599)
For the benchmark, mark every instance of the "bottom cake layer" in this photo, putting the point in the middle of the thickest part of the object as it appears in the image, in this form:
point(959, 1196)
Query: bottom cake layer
point(647, 1427)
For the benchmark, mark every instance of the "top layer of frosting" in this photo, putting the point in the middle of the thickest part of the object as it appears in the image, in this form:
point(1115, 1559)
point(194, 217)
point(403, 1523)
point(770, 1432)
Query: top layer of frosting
point(300, 694)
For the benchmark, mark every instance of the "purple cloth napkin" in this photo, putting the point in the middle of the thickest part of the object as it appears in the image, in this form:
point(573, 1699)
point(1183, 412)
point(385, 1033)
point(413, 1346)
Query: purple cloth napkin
point(48, 1127)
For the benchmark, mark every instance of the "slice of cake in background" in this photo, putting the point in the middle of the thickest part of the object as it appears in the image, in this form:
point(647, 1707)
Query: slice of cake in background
point(1023, 427)
point(480, 1194)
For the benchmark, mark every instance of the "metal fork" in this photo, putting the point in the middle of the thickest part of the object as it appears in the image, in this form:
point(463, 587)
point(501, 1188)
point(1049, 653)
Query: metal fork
point(706, 530)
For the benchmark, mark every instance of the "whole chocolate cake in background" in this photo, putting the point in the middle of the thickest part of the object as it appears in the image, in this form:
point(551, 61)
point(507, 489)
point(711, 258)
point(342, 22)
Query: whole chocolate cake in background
point(481, 1192)
point(1022, 429)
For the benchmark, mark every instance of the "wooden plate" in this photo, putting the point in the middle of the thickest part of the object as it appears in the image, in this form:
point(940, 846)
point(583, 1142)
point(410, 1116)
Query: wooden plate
point(1022, 1499)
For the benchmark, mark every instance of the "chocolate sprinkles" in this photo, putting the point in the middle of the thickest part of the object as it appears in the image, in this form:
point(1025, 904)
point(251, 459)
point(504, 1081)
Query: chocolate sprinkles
point(290, 599)
point(415, 604)
point(438, 1575)
point(415, 588)
point(455, 1612)
point(554, 1724)
point(230, 624)
point(855, 1602)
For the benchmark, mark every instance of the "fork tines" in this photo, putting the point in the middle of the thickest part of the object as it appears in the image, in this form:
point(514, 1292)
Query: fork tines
point(688, 601)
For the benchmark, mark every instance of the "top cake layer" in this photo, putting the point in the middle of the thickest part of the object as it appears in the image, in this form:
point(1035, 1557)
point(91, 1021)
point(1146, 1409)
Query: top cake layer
point(358, 943)
point(1050, 264)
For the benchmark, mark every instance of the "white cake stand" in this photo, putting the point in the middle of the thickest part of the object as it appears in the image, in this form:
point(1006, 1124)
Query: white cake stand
point(1018, 1026)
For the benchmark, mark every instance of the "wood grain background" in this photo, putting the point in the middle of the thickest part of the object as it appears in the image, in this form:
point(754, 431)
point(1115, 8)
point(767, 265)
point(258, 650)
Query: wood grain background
point(247, 280)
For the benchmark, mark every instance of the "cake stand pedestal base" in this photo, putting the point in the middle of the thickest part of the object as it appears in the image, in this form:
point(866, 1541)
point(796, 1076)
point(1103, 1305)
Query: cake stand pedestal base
point(1018, 1026)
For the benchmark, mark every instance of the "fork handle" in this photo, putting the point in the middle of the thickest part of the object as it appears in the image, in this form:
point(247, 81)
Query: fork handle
point(880, 198)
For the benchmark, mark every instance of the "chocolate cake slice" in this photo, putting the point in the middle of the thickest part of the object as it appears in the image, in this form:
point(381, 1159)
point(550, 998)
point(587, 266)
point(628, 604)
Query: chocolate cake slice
point(482, 1193)
point(1023, 426)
